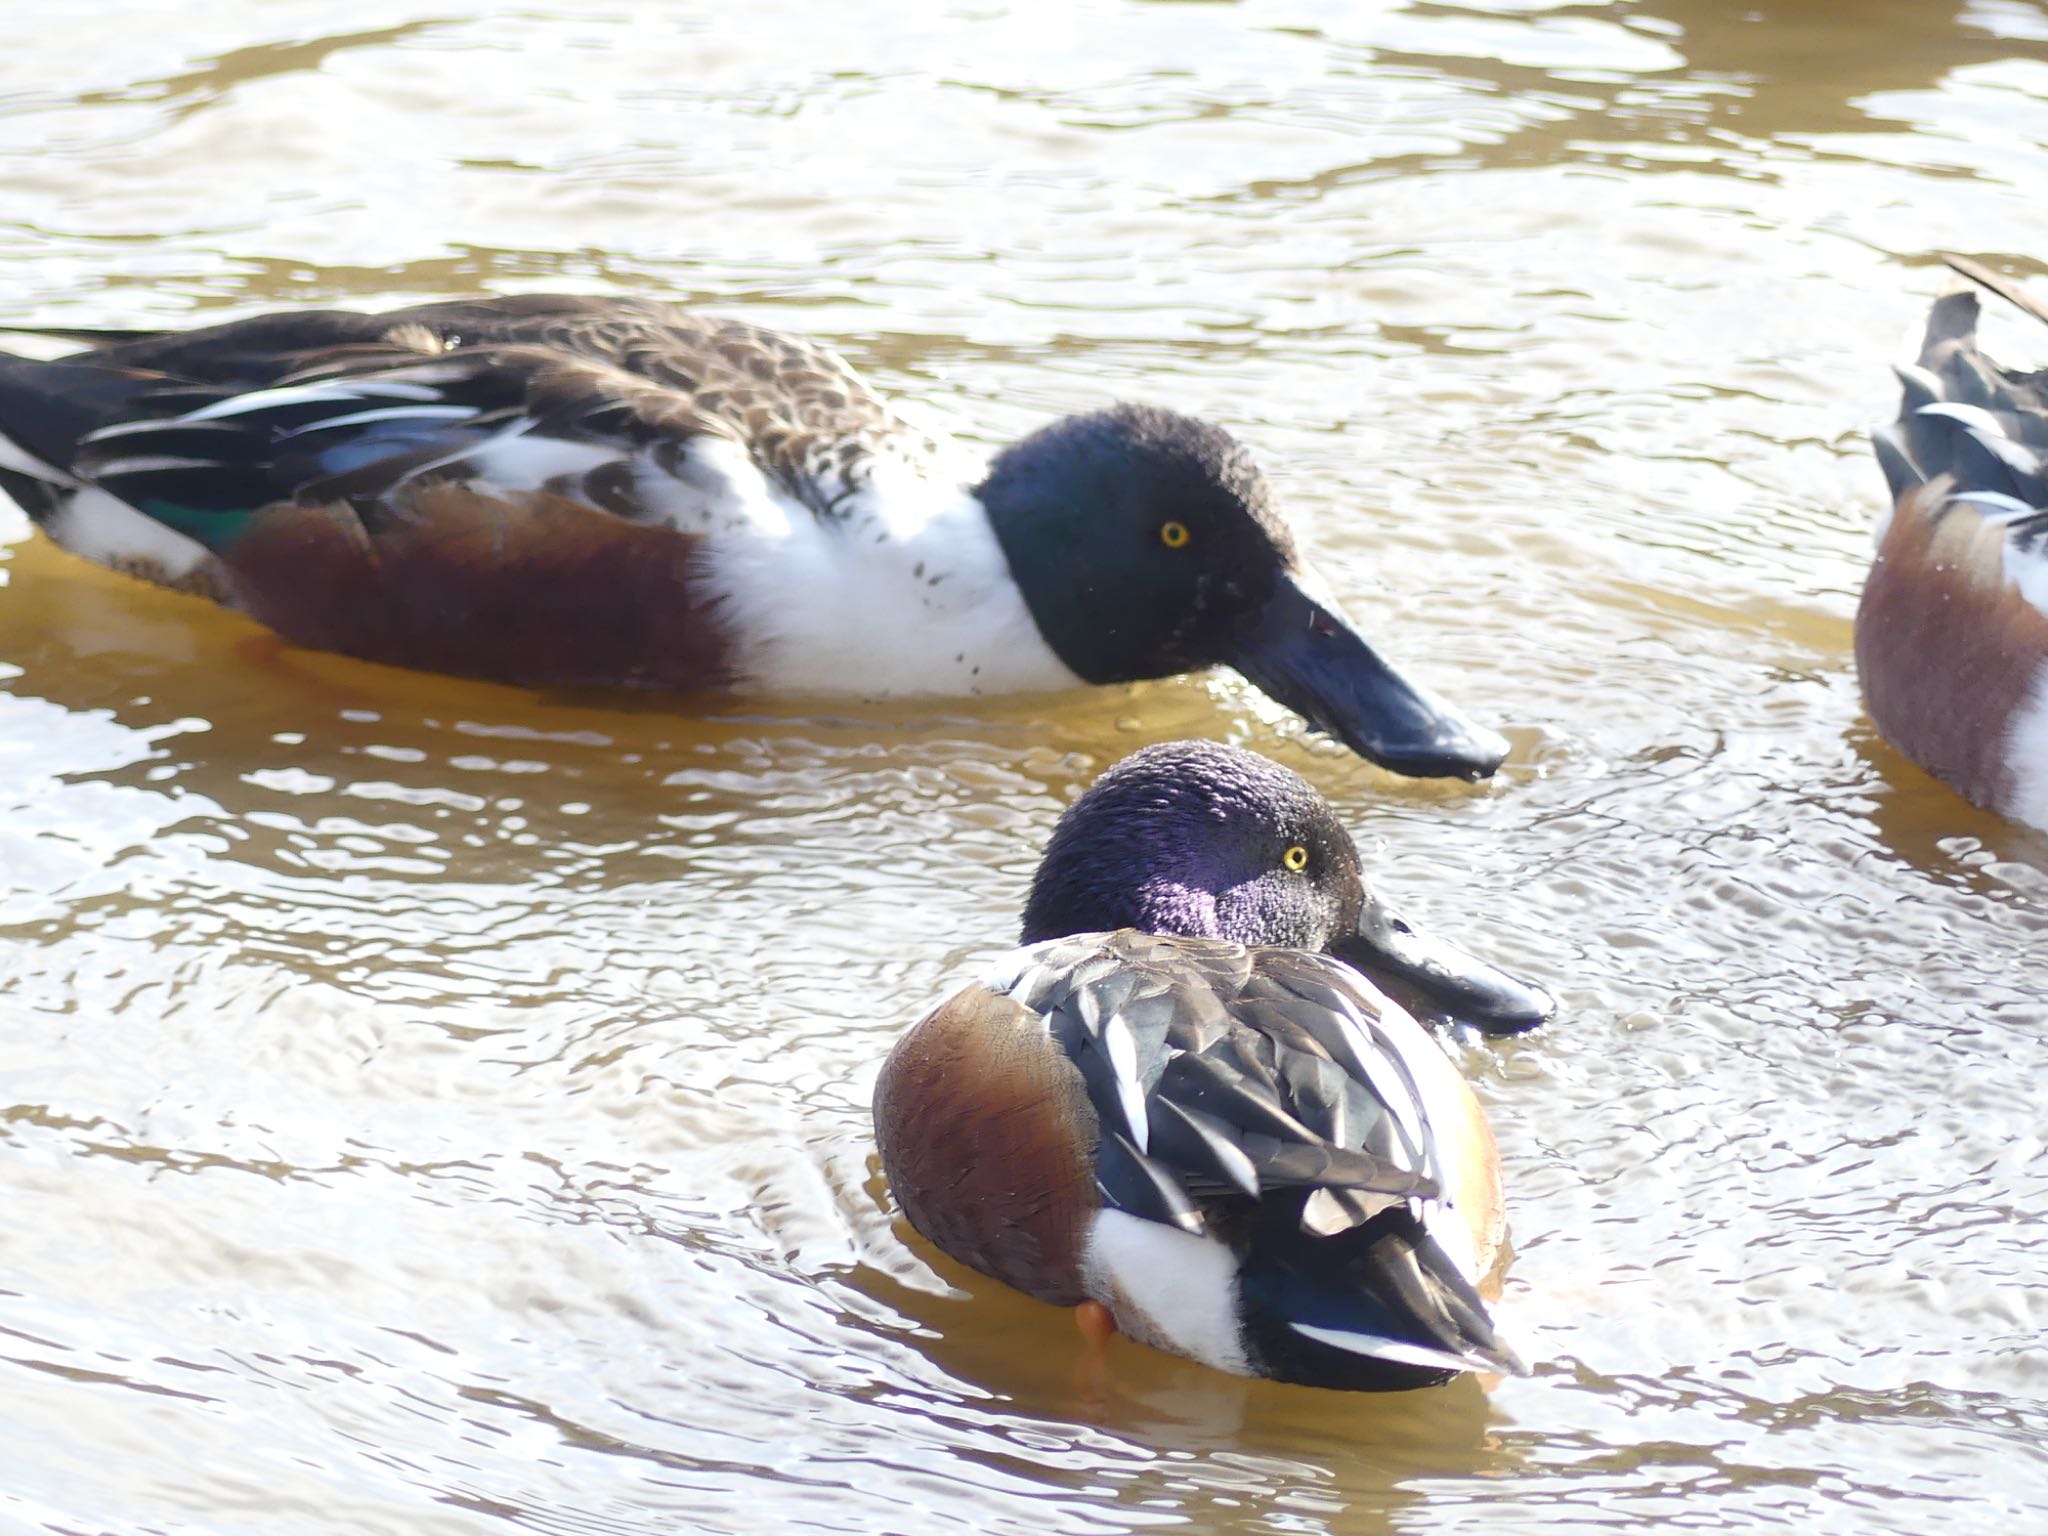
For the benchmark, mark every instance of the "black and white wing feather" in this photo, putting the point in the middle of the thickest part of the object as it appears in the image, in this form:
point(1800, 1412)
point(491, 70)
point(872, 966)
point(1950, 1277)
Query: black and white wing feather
point(1972, 437)
point(594, 399)
point(1222, 1074)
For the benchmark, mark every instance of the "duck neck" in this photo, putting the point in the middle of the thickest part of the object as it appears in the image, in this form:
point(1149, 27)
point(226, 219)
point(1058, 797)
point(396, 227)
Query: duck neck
point(1056, 501)
point(1040, 529)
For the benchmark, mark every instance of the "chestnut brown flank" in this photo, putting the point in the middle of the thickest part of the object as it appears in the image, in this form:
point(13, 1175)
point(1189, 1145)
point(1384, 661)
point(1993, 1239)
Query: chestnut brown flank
point(990, 1139)
point(1946, 648)
point(533, 589)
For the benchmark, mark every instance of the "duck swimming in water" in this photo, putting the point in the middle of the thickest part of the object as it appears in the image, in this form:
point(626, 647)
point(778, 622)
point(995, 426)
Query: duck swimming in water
point(562, 490)
point(1952, 630)
point(1188, 1101)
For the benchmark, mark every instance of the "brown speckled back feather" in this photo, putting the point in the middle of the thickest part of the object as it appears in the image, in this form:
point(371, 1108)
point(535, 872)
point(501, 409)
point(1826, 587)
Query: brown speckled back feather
point(635, 370)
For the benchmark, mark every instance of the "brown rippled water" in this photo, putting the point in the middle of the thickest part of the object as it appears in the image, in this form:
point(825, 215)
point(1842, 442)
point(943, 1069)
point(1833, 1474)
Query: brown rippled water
point(432, 1108)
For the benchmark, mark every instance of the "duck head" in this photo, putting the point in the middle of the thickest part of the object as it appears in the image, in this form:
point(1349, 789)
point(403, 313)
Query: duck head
point(1146, 544)
point(1209, 841)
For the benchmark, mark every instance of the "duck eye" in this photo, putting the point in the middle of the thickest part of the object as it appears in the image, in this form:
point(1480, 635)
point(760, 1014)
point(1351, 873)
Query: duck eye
point(1295, 858)
point(1173, 535)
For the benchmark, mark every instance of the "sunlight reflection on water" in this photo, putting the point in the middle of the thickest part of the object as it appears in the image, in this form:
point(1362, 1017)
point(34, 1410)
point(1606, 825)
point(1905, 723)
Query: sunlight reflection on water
point(429, 1107)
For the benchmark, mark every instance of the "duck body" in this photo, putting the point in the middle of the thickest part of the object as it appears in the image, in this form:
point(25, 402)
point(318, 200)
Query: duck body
point(1952, 628)
point(1287, 1176)
point(559, 490)
point(1246, 1151)
point(554, 490)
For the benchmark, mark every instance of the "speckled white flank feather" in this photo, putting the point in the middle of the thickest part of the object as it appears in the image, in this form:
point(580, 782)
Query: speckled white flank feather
point(1167, 1288)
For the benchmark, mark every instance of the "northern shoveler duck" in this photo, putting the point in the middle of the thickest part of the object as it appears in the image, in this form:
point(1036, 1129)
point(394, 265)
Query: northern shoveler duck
point(1179, 1102)
point(1952, 632)
point(576, 490)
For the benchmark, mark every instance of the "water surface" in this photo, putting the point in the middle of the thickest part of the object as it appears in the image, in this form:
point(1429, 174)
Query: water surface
point(434, 1108)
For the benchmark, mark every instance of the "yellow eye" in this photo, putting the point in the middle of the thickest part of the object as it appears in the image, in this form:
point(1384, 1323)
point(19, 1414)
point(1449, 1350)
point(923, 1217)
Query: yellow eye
point(1173, 535)
point(1295, 858)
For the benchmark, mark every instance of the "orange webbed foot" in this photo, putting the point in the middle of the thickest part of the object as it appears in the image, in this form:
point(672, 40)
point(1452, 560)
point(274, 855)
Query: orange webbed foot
point(1091, 1376)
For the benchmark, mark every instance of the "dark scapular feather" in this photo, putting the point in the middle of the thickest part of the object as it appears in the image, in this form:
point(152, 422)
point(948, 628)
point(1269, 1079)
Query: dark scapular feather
point(1231, 1073)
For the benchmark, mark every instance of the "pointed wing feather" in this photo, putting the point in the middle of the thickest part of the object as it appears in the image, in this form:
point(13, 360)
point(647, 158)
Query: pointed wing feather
point(1130, 1181)
point(1231, 1073)
point(1972, 438)
point(1208, 1148)
point(1398, 1298)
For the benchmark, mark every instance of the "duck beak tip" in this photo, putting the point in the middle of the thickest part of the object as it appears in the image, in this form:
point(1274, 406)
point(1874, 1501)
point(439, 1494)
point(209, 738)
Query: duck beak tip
point(1305, 654)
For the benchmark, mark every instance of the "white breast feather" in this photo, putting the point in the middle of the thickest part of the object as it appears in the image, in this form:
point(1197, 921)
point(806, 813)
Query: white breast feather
point(716, 490)
point(902, 592)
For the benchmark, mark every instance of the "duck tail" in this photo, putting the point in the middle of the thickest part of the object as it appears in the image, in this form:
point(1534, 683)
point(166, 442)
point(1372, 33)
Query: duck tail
point(30, 461)
point(1964, 420)
point(45, 409)
point(51, 409)
point(1381, 1306)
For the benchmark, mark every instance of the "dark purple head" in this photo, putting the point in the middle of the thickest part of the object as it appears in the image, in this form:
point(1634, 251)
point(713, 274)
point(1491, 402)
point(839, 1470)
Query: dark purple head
point(1209, 841)
point(1196, 838)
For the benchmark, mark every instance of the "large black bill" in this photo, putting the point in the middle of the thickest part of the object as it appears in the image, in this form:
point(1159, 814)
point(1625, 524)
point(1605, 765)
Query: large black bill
point(1305, 654)
point(1433, 979)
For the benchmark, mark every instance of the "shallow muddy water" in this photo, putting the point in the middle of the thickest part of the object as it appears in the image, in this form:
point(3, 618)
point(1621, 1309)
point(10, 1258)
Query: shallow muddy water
point(432, 1108)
